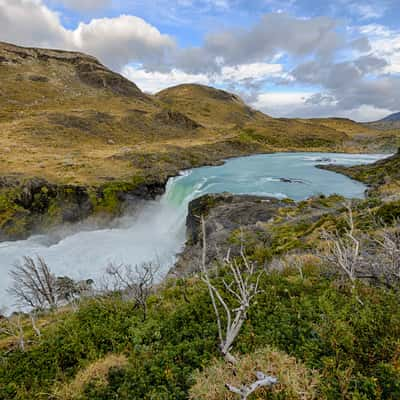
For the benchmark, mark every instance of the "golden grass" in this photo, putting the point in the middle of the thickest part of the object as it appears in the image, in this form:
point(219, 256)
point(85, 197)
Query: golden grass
point(54, 125)
point(296, 382)
point(43, 321)
point(95, 374)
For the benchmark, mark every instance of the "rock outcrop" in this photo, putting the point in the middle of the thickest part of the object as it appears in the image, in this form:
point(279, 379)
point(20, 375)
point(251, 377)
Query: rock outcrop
point(175, 118)
point(89, 70)
point(224, 214)
point(34, 205)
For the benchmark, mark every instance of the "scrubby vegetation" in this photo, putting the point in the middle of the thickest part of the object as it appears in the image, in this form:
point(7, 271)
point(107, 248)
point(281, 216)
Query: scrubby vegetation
point(321, 334)
point(295, 381)
point(353, 347)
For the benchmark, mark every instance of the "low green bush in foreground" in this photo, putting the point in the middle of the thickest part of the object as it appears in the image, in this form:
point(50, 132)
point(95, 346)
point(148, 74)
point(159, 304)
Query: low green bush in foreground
point(104, 350)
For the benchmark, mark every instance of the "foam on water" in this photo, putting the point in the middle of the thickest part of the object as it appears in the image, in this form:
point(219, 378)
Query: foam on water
point(158, 230)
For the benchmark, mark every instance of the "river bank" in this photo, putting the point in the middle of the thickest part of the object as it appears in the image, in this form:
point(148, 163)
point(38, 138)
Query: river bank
point(155, 229)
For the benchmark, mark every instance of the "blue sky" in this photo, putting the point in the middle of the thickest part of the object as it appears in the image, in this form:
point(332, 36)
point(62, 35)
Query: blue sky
point(293, 58)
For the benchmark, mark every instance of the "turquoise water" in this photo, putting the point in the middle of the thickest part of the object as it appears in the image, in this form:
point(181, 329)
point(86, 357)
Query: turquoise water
point(262, 175)
point(157, 231)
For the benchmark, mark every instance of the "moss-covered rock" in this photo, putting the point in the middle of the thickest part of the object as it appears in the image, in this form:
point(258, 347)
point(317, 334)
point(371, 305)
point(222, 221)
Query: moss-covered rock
point(35, 205)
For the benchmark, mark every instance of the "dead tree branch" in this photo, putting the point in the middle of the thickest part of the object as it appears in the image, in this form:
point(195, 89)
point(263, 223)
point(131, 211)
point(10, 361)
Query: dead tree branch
point(137, 283)
point(344, 251)
point(12, 326)
point(33, 284)
point(243, 288)
point(246, 390)
point(388, 266)
point(34, 325)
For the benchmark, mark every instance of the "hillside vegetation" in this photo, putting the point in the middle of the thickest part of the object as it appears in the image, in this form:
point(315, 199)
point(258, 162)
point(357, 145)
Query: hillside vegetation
point(383, 177)
point(77, 139)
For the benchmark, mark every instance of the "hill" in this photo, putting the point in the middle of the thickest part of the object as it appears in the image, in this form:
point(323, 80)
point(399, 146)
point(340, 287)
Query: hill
point(390, 122)
point(77, 139)
point(391, 117)
point(218, 109)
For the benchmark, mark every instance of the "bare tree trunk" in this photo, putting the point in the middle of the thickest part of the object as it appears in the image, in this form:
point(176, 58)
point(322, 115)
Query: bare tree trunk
point(33, 284)
point(243, 290)
point(34, 326)
point(13, 327)
point(137, 283)
point(345, 252)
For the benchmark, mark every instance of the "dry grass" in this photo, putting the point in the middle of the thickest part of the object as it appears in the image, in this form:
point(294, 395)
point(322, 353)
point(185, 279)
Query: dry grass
point(55, 125)
point(95, 374)
point(296, 382)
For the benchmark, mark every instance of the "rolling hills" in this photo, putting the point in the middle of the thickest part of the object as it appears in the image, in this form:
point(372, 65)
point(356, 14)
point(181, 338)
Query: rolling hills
point(78, 138)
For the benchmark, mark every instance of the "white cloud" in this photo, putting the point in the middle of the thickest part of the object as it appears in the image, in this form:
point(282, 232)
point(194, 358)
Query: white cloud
point(30, 23)
point(274, 34)
point(385, 43)
point(281, 104)
point(118, 41)
point(365, 113)
point(254, 71)
point(115, 41)
point(298, 105)
point(368, 11)
point(153, 82)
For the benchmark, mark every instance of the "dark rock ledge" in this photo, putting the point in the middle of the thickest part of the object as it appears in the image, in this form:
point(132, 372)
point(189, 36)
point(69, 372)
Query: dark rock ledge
point(224, 214)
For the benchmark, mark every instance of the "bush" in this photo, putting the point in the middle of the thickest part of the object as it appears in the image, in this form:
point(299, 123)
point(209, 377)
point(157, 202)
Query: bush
point(355, 348)
point(295, 381)
point(94, 375)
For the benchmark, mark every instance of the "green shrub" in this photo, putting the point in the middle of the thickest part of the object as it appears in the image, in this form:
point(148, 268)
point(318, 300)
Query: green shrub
point(355, 348)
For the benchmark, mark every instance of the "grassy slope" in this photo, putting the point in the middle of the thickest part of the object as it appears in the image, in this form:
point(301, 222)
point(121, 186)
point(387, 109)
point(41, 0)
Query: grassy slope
point(68, 126)
point(215, 109)
point(67, 119)
point(391, 122)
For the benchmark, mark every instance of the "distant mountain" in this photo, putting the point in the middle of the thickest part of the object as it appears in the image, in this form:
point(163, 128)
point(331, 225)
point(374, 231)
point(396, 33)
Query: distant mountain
point(391, 122)
point(391, 117)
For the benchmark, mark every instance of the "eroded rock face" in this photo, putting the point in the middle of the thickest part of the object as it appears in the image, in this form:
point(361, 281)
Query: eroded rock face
point(224, 215)
point(175, 118)
point(94, 74)
point(88, 69)
point(34, 205)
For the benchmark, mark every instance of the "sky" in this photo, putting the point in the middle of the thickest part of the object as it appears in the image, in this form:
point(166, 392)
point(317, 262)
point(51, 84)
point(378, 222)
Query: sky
point(287, 58)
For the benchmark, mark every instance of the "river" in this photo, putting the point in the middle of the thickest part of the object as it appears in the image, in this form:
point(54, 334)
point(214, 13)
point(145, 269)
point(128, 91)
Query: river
point(157, 231)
